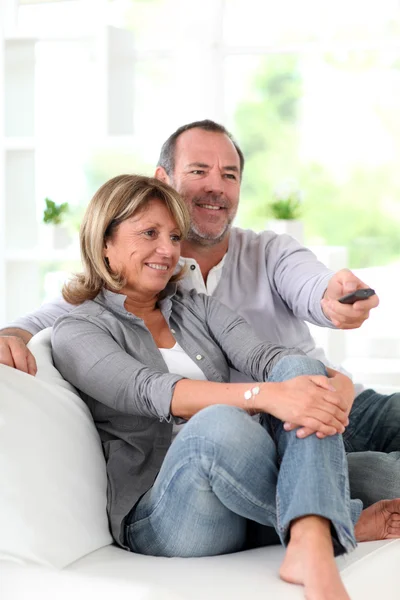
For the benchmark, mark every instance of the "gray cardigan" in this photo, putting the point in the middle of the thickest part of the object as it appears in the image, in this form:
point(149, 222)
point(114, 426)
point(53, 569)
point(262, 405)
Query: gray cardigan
point(111, 357)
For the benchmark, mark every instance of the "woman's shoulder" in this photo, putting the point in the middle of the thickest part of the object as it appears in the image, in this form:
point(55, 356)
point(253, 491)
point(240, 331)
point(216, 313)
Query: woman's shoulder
point(90, 311)
point(196, 302)
point(188, 297)
point(89, 308)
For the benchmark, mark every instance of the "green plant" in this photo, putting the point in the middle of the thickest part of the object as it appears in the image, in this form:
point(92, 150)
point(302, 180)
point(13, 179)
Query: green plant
point(54, 213)
point(287, 203)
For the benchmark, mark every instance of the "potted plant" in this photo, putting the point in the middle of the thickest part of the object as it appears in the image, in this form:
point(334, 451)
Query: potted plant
point(285, 210)
point(54, 217)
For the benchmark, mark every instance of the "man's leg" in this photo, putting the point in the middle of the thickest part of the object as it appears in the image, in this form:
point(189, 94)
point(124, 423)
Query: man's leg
point(220, 471)
point(372, 441)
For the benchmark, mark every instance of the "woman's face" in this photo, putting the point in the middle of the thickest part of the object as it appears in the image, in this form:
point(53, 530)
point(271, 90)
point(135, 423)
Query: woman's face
point(146, 249)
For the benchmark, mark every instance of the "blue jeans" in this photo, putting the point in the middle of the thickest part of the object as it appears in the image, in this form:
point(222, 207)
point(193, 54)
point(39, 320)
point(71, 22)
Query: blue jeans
point(224, 469)
point(372, 440)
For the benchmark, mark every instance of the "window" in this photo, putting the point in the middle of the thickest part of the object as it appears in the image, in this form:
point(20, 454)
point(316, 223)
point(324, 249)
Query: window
point(310, 90)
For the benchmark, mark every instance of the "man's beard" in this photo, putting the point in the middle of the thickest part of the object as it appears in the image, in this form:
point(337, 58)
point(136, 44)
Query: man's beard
point(202, 238)
point(205, 238)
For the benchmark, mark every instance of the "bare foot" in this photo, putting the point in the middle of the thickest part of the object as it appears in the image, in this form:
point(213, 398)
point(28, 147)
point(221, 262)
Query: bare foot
point(309, 560)
point(381, 521)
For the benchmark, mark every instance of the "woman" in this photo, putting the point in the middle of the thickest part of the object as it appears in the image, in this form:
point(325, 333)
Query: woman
point(150, 360)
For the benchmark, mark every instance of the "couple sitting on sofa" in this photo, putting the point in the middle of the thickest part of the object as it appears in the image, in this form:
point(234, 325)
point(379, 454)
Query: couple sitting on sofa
point(148, 356)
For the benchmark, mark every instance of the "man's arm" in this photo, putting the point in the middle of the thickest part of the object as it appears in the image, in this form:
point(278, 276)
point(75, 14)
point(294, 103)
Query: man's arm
point(13, 339)
point(24, 335)
point(346, 316)
point(311, 290)
point(13, 350)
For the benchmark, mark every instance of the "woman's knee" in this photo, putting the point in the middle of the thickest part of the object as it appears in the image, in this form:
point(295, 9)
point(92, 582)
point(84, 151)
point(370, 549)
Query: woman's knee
point(219, 421)
point(295, 365)
point(229, 428)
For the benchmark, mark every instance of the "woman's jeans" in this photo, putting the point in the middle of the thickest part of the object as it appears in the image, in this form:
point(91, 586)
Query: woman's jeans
point(224, 469)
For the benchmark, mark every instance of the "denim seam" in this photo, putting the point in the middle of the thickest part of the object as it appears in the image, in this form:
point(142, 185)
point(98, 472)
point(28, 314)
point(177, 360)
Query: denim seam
point(232, 484)
point(183, 465)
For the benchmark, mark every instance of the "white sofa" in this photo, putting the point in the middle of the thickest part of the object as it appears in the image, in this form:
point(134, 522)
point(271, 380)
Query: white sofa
point(54, 537)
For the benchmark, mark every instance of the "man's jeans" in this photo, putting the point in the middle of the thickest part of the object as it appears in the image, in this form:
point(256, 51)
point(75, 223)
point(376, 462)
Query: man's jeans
point(224, 469)
point(372, 440)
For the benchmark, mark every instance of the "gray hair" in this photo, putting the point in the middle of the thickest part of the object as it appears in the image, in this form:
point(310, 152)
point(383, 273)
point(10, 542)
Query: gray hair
point(167, 154)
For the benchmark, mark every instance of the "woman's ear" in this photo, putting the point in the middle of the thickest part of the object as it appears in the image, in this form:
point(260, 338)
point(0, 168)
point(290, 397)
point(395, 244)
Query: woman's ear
point(105, 257)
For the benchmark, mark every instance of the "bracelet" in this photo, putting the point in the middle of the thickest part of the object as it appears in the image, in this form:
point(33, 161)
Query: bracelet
point(250, 400)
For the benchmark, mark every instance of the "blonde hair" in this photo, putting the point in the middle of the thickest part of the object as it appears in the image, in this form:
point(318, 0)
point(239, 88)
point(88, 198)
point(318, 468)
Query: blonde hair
point(117, 200)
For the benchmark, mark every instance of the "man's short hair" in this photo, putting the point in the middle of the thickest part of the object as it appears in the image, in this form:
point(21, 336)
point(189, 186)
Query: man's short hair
point(167, 154)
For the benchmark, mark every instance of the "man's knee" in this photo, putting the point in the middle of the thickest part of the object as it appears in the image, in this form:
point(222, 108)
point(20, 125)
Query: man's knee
point(393, 406)
point(374, 476)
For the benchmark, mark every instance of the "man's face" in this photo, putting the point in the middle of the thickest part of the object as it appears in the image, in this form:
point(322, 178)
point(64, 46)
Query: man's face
point(207, 175)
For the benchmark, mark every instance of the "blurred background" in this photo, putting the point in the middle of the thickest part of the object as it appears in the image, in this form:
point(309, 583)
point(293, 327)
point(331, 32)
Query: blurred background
point(311, 90)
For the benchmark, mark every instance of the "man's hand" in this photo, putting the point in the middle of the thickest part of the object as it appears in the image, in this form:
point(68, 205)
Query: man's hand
point(14, 353)
point(344, 386)
point(346, 316)
point(309, 401)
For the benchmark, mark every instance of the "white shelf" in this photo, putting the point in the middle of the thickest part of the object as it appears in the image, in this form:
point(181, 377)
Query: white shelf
point(19, 143)
point(374, 371)
point(25, 251)
point(38, 255)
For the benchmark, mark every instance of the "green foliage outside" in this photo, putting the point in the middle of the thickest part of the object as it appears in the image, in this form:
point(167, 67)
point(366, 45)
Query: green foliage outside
point(54, 213)
point(287, 202)
point(361, 212)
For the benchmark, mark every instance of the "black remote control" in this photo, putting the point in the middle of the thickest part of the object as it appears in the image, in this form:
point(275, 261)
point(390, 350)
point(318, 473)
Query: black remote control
point(357, 295)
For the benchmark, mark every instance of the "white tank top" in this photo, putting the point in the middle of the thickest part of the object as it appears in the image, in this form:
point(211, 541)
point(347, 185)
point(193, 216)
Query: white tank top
point(180, 363)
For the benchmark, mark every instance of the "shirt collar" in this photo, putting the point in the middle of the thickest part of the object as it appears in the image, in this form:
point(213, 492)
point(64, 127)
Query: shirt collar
point(116, 301)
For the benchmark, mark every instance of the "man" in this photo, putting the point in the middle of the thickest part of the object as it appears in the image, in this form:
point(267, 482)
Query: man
point(272, 281)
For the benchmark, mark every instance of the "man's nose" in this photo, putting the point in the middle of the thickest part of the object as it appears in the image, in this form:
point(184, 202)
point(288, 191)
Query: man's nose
point(214, 183)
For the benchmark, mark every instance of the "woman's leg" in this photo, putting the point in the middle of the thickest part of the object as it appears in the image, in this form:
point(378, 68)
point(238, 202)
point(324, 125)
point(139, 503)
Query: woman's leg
point(315, 515)
point(313, 474)
point(220, 471)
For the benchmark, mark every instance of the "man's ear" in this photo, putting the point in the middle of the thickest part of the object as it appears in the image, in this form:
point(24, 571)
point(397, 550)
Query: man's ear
point(161, 174)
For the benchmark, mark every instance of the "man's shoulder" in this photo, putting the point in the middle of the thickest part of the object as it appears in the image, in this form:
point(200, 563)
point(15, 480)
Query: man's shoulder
point(243, 237)
point(248, 243)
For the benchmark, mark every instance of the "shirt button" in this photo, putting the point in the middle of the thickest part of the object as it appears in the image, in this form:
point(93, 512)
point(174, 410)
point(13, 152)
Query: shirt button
point(192, 267)
point(198, 357)
point(173, 331)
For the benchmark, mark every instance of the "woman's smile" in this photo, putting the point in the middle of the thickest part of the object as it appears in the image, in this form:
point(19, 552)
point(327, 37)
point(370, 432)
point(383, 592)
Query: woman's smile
point(145, 249)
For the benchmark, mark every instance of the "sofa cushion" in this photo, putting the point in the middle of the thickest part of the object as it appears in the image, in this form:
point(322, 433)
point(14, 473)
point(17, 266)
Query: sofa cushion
point(52, 470)
point(370, 572)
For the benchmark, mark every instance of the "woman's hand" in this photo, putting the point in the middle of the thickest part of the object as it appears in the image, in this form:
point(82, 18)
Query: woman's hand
point(309, 402)
point(344, 386)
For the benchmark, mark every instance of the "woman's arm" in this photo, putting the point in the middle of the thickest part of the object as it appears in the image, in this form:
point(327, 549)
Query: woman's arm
point(243, 349)
point(307, 400)
point(89, 357)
